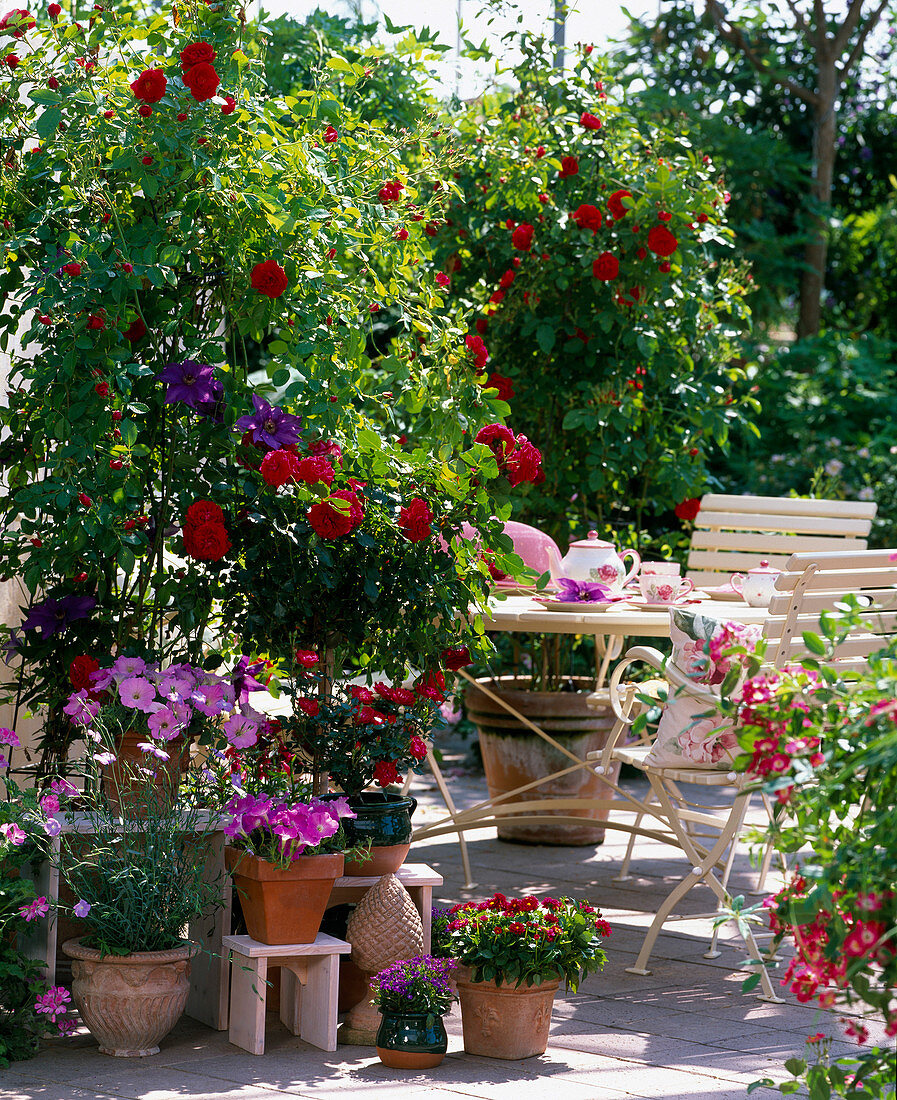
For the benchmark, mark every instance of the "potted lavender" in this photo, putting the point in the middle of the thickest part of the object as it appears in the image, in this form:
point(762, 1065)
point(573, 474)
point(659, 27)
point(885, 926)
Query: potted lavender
point(413, 995)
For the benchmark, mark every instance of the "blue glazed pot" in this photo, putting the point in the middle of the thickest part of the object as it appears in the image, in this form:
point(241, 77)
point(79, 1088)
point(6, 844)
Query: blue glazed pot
point(384, 820)
point(411, 1041)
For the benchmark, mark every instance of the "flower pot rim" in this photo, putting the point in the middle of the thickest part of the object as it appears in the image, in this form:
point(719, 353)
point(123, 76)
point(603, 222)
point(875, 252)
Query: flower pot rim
point(322, 865)
point(413, 1014)
point(508, 987)
point(75, 949)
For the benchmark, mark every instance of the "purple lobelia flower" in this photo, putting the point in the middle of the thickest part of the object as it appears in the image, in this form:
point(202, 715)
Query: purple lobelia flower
point(270, 425)
point(582, 591)
point(192, 383)
point(54, 616)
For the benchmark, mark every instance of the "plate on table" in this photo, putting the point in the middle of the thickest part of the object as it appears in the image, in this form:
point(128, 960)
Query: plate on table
point(643, 605)
point(581, 605)
point(722, 592)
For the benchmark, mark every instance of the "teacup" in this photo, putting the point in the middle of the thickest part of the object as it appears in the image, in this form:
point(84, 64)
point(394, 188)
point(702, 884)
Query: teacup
point(660, 568)
point(664, 587)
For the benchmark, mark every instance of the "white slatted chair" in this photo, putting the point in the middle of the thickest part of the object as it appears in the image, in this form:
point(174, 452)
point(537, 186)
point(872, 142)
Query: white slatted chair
point(811, 584)
point(734, 533)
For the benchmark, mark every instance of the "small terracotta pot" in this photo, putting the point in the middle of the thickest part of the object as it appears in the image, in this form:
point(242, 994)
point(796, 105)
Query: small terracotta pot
point(504, 1022)
point(283, 906)
point(130, 1002)
point(119, 785)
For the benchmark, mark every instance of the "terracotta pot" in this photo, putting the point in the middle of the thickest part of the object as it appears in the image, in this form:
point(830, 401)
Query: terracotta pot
point(130, 1002)
point(385, 820)
point(119, 785)
point(411, 1040)
point(283, 906)
point(513, 755)
point(504, 1022)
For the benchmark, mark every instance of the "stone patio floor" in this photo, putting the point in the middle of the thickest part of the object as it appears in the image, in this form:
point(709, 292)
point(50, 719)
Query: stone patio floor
point(684, 1033)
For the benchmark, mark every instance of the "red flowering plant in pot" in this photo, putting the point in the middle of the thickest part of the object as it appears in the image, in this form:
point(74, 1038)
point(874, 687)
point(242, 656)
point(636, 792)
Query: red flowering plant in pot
point(587, 241)
point(229, 235)
point(514, 953)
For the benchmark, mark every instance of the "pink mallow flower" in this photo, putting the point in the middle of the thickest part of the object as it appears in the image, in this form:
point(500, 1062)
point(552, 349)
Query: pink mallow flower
point(149, 748)
point(38, 908)
point(241, 730)
point(164, 724)
point(13, 834)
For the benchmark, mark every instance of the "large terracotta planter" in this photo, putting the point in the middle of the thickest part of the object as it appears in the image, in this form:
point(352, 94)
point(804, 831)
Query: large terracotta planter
point(500, 1021)
point(283, 906)
point(514, 756)
point(119, 786)
point(385, 820)
point(407, 1040)
point(130, 1002)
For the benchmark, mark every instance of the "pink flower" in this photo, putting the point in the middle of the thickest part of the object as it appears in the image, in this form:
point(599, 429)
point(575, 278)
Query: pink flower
point(241, 731)
point(137, 694)
point(149, 748)
point(8, 737)
point(81, 908)
point(38, 908)
point(13, 834)
point(54, 1002)
point(81, 708)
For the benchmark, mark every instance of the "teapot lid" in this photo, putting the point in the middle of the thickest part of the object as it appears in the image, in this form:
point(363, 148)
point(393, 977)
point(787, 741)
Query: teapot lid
point(593, 542)
point(764, 568)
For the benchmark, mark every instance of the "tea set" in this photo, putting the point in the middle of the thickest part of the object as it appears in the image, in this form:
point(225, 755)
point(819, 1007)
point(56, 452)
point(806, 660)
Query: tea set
point(596, 561)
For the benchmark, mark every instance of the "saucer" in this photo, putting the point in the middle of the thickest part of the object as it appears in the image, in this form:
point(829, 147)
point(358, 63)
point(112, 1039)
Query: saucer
point(645, 606)
point(580, 605)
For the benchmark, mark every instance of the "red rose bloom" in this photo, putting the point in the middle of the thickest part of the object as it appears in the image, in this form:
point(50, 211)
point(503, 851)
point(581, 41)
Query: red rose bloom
point(504, 386)
point(331, 134)
point(415, 519)
point(12, 60)
point(17, 22)
point(203, 511)
point(688, 509)
point(208, 542)
point(587, 217)
point(362, 694)
point(280, 467)
point(457, 656)
point(524, 462)
point(497, 437)
point(661, 241)
point(431, 686)
point(80, 670)
point(269, 278)
point(615, 204)
point(54, 10)
point(135, 331)
point(307, 658)
point(72, 269)
point(197, 53)
point(356, 513)
point(417, 748)
point(312, 470)
point(475, 345)
point(329, 522)
point(230, 105)
point(309, 707)
point(569, 167)
point(540, 152)
point(385, 772)
point(202, 80)
point(509, 276)
point(522, 237)
point(590, 121)
point(96, 321)
point(150, 85)
point(606, 267)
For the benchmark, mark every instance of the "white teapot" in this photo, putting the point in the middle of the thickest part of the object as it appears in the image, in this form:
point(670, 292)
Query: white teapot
point(593, 560)
point(758, 586)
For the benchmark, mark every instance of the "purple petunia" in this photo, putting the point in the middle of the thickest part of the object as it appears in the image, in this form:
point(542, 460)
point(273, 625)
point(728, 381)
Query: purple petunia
point(192, 383)
point(81, 908)
point(582, 591)
point(270, 425)
point(53, 616)
point(137, 694)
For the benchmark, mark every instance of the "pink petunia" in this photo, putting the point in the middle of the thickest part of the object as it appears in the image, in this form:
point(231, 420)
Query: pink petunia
point(137, 694)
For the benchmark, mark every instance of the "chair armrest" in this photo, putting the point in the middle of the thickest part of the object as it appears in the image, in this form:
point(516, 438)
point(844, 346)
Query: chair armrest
point(646, 654)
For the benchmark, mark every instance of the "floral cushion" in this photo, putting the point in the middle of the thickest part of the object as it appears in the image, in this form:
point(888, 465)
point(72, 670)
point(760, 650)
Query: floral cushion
point(684, 739)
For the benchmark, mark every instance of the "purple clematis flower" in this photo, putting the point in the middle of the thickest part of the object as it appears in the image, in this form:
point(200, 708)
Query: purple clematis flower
point(270, 425)
point(54, 616)
point(243, 678)
point(194, 384)
point(582, 591)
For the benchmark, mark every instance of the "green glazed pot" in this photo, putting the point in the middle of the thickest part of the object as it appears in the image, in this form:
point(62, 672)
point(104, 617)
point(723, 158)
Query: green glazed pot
point(412, 1041)
point(384, 820)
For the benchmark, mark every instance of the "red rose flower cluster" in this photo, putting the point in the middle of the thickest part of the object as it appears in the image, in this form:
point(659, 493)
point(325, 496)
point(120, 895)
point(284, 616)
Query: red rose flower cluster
point(205, 536)
point(590, 121)
point(569, 167)
point(150, 86)
point(280, 467)
point(661, 241)
point(522, 237)
point(606, 267)
point(197, 71)
point(17, 22)
point(477, 348)
point(615, 204)
point(415, 519)
point(504, 386)
point(688, 509)
point(391, 191)
point(587, 216)
point(80, 671)
point(517, 458)
point(336, 515)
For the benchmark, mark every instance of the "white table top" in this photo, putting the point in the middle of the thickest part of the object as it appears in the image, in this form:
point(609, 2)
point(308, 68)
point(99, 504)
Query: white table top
point(522, 613)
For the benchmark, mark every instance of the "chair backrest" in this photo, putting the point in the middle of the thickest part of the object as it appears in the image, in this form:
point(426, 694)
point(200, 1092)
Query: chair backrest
point(814, 583)
point(734, 533)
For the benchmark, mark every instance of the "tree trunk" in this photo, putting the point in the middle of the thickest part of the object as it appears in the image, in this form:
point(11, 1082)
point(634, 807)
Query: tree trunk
point(824, 152)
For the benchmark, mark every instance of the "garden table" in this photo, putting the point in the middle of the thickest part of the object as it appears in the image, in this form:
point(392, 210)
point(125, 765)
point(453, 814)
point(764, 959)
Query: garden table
point(609, 627)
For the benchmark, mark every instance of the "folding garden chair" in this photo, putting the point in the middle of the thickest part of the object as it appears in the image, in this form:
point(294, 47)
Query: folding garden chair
point(734, 533)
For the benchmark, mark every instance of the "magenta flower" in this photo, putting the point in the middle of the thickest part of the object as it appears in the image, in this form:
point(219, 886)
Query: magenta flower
point(582, 591)
point(8, 737)
point(81, 708)
point(209, 699)
point(54, 1002)
point(151, 749)
point(129, 666)
point(49, 804)
point(38, 908)
point(104, 758)
point(270, 425)
point(173, 685)
point(163, 724)
point(241, 730)
point(52, 826)
point(63, 787)
point(12, 833)
point(137, 694)
point(81, 908)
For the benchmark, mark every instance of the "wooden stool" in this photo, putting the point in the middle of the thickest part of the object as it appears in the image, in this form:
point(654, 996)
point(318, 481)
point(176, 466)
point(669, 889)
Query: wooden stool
point(313, 965)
